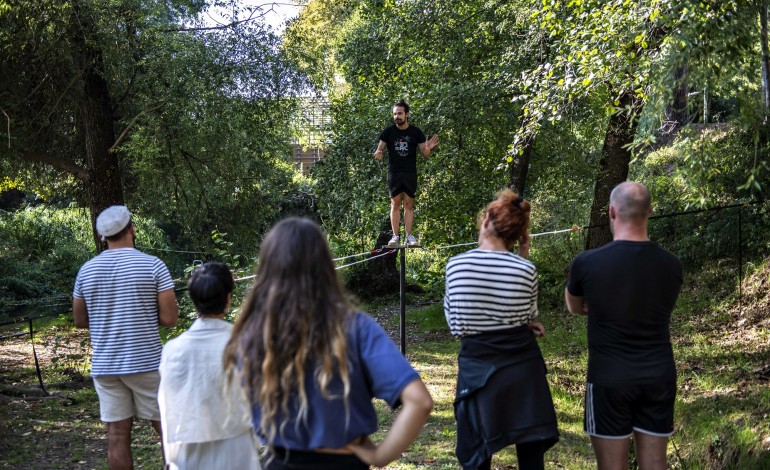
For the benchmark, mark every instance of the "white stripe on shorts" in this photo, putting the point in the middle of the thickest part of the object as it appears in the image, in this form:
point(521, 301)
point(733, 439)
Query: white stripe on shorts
point(590, 421)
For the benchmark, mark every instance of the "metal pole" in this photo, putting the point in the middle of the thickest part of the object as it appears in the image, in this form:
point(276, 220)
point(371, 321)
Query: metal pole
point(402, 290)
point(34, 354)
point(740, 258)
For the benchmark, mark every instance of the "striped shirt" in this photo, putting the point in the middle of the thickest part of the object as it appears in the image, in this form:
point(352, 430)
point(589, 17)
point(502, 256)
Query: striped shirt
point(120, 288)
point(489, 290)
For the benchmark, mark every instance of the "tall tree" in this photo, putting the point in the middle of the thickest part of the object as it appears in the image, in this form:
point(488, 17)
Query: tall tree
point(119, 96)
point(608, 49)
point(762, 6)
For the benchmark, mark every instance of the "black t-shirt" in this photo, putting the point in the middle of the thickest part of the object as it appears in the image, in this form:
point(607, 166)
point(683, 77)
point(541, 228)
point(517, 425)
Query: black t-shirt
point(630, 289)
point(402, 147)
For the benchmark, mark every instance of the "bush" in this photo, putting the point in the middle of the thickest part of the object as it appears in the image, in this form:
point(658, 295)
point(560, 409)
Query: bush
point(42, 249)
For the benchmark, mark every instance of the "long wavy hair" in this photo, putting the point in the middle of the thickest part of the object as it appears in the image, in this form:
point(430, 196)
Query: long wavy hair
point(296, 315)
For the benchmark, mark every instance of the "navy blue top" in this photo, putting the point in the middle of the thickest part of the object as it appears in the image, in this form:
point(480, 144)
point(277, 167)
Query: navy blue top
point(377, 370)
point(630, 288)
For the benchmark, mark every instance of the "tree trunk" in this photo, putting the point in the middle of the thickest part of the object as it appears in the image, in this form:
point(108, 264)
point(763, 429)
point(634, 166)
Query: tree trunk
point(104, 186)
point(676, 112)
point(613, 166)
point(763, 35)
point(518, 171)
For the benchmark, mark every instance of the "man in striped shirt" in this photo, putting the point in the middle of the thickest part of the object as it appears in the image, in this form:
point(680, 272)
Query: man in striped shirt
point(122, 296)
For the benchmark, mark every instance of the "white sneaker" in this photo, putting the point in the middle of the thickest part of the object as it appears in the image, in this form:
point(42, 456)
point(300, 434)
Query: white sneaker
point(393, 241)
point(410, 240)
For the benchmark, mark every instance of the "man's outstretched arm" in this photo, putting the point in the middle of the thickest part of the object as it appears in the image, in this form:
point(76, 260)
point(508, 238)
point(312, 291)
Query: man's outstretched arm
point(428, 145)
point(380, 147)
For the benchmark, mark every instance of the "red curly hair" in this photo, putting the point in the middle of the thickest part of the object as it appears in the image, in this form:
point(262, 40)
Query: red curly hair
point(509, 215)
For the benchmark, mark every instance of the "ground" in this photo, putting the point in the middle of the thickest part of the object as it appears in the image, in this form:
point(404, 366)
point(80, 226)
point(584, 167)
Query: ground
point(722, 349)
point(62, 430)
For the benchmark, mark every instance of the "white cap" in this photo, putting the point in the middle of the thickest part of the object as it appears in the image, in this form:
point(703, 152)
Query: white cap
point(112, 220)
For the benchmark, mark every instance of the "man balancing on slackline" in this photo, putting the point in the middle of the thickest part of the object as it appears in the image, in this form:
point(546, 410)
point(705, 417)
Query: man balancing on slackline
point(402, 141)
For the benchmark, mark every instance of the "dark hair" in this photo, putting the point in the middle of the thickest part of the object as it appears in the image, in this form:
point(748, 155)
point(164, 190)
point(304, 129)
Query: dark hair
point(208, 287)
point(296, 315)
point(509, 215)
point(123, 231)
point(402, 104)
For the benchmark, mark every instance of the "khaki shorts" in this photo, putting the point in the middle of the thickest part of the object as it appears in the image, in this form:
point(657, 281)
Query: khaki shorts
point(124, 396)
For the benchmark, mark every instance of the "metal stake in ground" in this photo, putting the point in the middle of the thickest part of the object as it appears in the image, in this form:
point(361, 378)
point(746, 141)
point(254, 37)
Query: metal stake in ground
point(34, 354)
point(402, 289)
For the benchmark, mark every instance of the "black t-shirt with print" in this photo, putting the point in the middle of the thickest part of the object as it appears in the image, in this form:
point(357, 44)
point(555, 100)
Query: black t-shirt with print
point(402, 147)
point(630, 288)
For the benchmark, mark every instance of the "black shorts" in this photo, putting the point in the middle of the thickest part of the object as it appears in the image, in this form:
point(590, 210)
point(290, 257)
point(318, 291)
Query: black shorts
point(618, 412)
point(402, 182)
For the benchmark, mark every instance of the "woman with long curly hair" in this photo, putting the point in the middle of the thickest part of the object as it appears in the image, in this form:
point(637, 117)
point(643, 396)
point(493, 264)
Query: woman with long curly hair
point(502, 394)
point(310, 364)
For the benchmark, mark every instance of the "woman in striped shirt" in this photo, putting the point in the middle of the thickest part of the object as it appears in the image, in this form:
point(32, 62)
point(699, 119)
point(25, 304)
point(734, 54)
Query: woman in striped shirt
point(502, 394)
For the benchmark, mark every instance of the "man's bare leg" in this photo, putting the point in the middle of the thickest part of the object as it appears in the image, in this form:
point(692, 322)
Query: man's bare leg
point(395, 212)
point(159, 430)
point(651, 451)
point(611, 454)
point(119, 444)
point(408, 214)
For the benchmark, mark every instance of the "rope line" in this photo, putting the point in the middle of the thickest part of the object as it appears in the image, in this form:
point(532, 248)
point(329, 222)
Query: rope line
point(574, 228)
point(174, 251)
point(50, 300)
point(388, 252)
point(354, 256)
point(442, 247)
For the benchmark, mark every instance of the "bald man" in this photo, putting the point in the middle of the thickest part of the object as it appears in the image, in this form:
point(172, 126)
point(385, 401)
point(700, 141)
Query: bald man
point(628, 289)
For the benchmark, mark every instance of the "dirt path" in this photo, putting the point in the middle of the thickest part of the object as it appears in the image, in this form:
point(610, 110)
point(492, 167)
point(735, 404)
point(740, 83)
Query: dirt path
point(63, 431)
point(40, 431)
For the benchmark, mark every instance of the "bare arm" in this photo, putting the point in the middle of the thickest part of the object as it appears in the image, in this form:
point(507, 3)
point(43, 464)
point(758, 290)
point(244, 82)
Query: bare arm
point(575, 304)
point(524, 245)
point(537, 328)
point(428, 145)
point(168, 312)
point(417, 405)
point(380, 147)
point(80, 313)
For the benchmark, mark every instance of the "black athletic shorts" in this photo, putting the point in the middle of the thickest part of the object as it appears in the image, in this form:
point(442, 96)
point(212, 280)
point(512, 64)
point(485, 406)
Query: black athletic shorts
point(402, 182)
point(618, 412)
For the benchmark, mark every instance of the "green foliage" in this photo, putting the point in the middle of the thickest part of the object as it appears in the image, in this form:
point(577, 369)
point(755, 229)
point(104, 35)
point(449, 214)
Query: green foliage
point(42, 250)
point(70, 353)
point(456, 89)
point(704, 169)
point(200, 116)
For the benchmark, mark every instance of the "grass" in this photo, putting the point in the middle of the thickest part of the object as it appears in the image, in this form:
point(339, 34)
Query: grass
point(436, 361)
point(723, 403)
point(722, 416)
